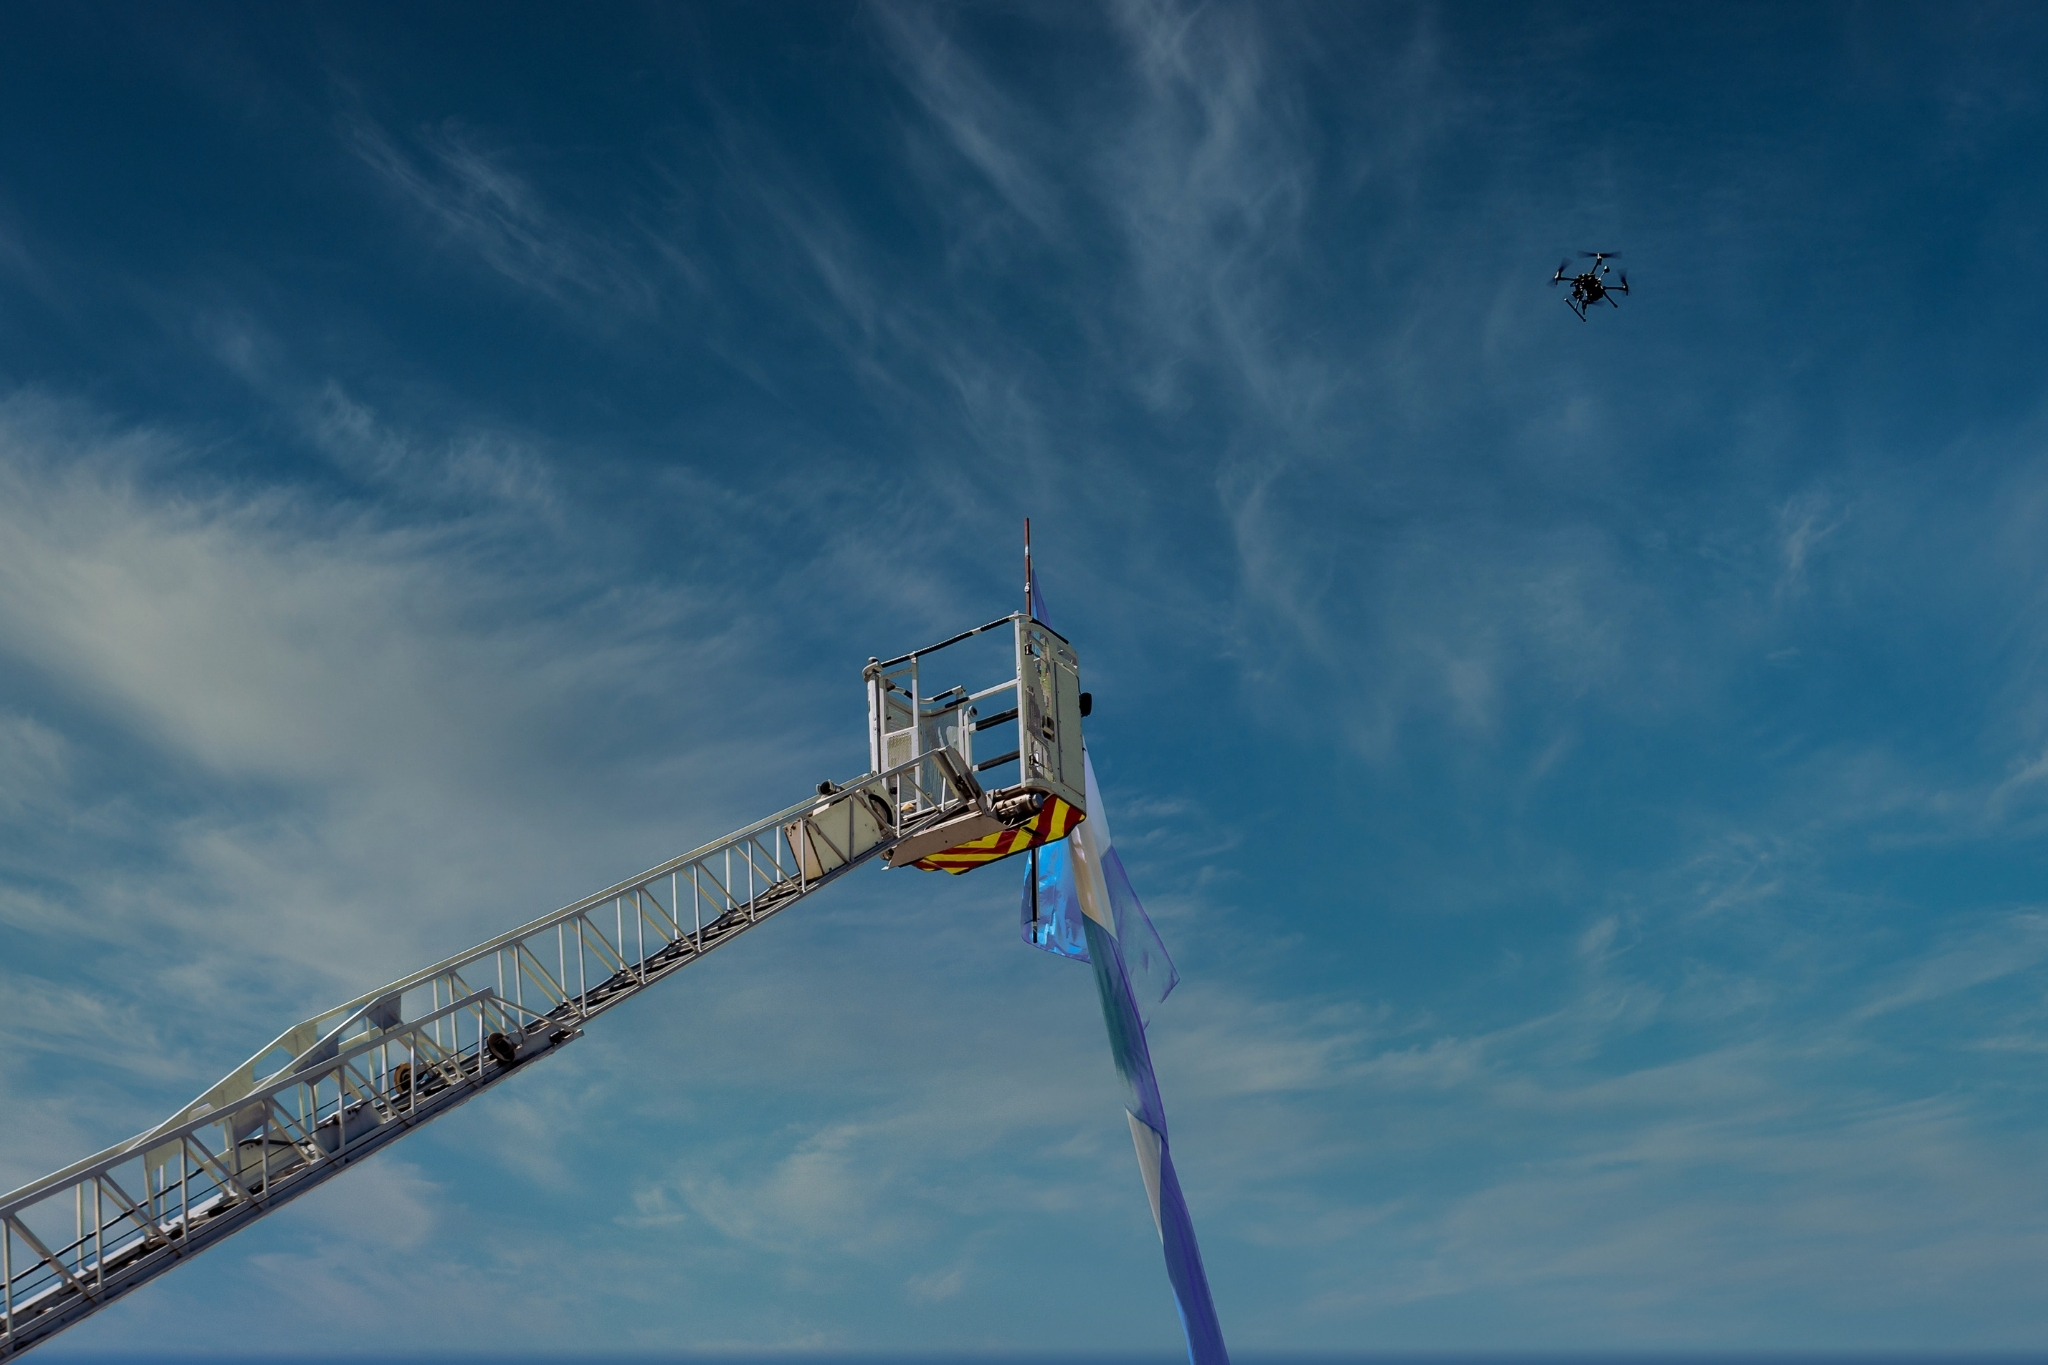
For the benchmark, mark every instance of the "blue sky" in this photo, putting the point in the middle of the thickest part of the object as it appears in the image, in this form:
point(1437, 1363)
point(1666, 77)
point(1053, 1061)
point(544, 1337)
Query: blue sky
point(1593, 777)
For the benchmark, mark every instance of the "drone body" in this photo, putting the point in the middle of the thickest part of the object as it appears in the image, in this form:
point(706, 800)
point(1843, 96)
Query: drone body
point(1591, 285)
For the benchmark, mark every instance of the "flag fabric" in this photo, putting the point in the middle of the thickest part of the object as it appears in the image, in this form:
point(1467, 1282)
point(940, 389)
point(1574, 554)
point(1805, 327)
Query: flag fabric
point(1146, 965)
point(1079, 903)
point(1051, 912)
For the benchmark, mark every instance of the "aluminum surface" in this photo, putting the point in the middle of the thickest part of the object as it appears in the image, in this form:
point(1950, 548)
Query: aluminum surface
point(342, 1085)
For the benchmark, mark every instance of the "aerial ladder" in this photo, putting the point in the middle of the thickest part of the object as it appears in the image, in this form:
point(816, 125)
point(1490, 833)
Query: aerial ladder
point(339, 1087)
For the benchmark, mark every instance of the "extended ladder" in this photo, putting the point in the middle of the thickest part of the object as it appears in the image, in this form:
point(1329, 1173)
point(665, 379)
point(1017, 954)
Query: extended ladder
point(342, 1085)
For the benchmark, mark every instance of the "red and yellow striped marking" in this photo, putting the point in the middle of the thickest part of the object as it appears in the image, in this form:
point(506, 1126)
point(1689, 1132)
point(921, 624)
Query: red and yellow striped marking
point(1056, 821)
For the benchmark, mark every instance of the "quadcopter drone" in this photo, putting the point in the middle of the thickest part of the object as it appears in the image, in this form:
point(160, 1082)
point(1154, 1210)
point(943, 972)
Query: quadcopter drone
point(1590, 285)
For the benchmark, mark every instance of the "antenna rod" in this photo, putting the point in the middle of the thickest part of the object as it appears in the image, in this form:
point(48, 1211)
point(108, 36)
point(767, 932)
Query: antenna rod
point(1027, 566)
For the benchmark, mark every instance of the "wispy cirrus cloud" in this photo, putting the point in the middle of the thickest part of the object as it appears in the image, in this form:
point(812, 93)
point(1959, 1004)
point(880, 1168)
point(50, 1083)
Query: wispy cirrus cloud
point(1589, 783)
point(989, 127)
point(353, 690)
point(478, 203)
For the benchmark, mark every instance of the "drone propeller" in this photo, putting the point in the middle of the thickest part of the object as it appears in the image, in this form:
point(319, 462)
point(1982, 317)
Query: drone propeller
point(1601, 255)
point(1558, 278)
point(1624, 281)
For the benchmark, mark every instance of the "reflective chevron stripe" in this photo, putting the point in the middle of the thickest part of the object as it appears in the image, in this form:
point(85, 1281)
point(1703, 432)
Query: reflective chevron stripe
point(1054, 822)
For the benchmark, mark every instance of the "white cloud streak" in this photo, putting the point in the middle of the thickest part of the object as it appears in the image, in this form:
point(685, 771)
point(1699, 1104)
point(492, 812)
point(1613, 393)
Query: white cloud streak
point(479, 204)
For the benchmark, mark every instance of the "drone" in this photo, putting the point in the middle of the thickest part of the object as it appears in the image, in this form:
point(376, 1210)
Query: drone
point(1590, 285)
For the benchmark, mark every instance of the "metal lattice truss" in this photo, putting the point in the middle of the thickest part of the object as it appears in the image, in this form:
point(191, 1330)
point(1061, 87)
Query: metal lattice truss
point(342, 1085)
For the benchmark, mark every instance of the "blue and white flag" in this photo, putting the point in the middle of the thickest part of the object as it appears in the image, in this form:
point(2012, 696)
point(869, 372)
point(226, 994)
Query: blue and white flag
point(1078, 903)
